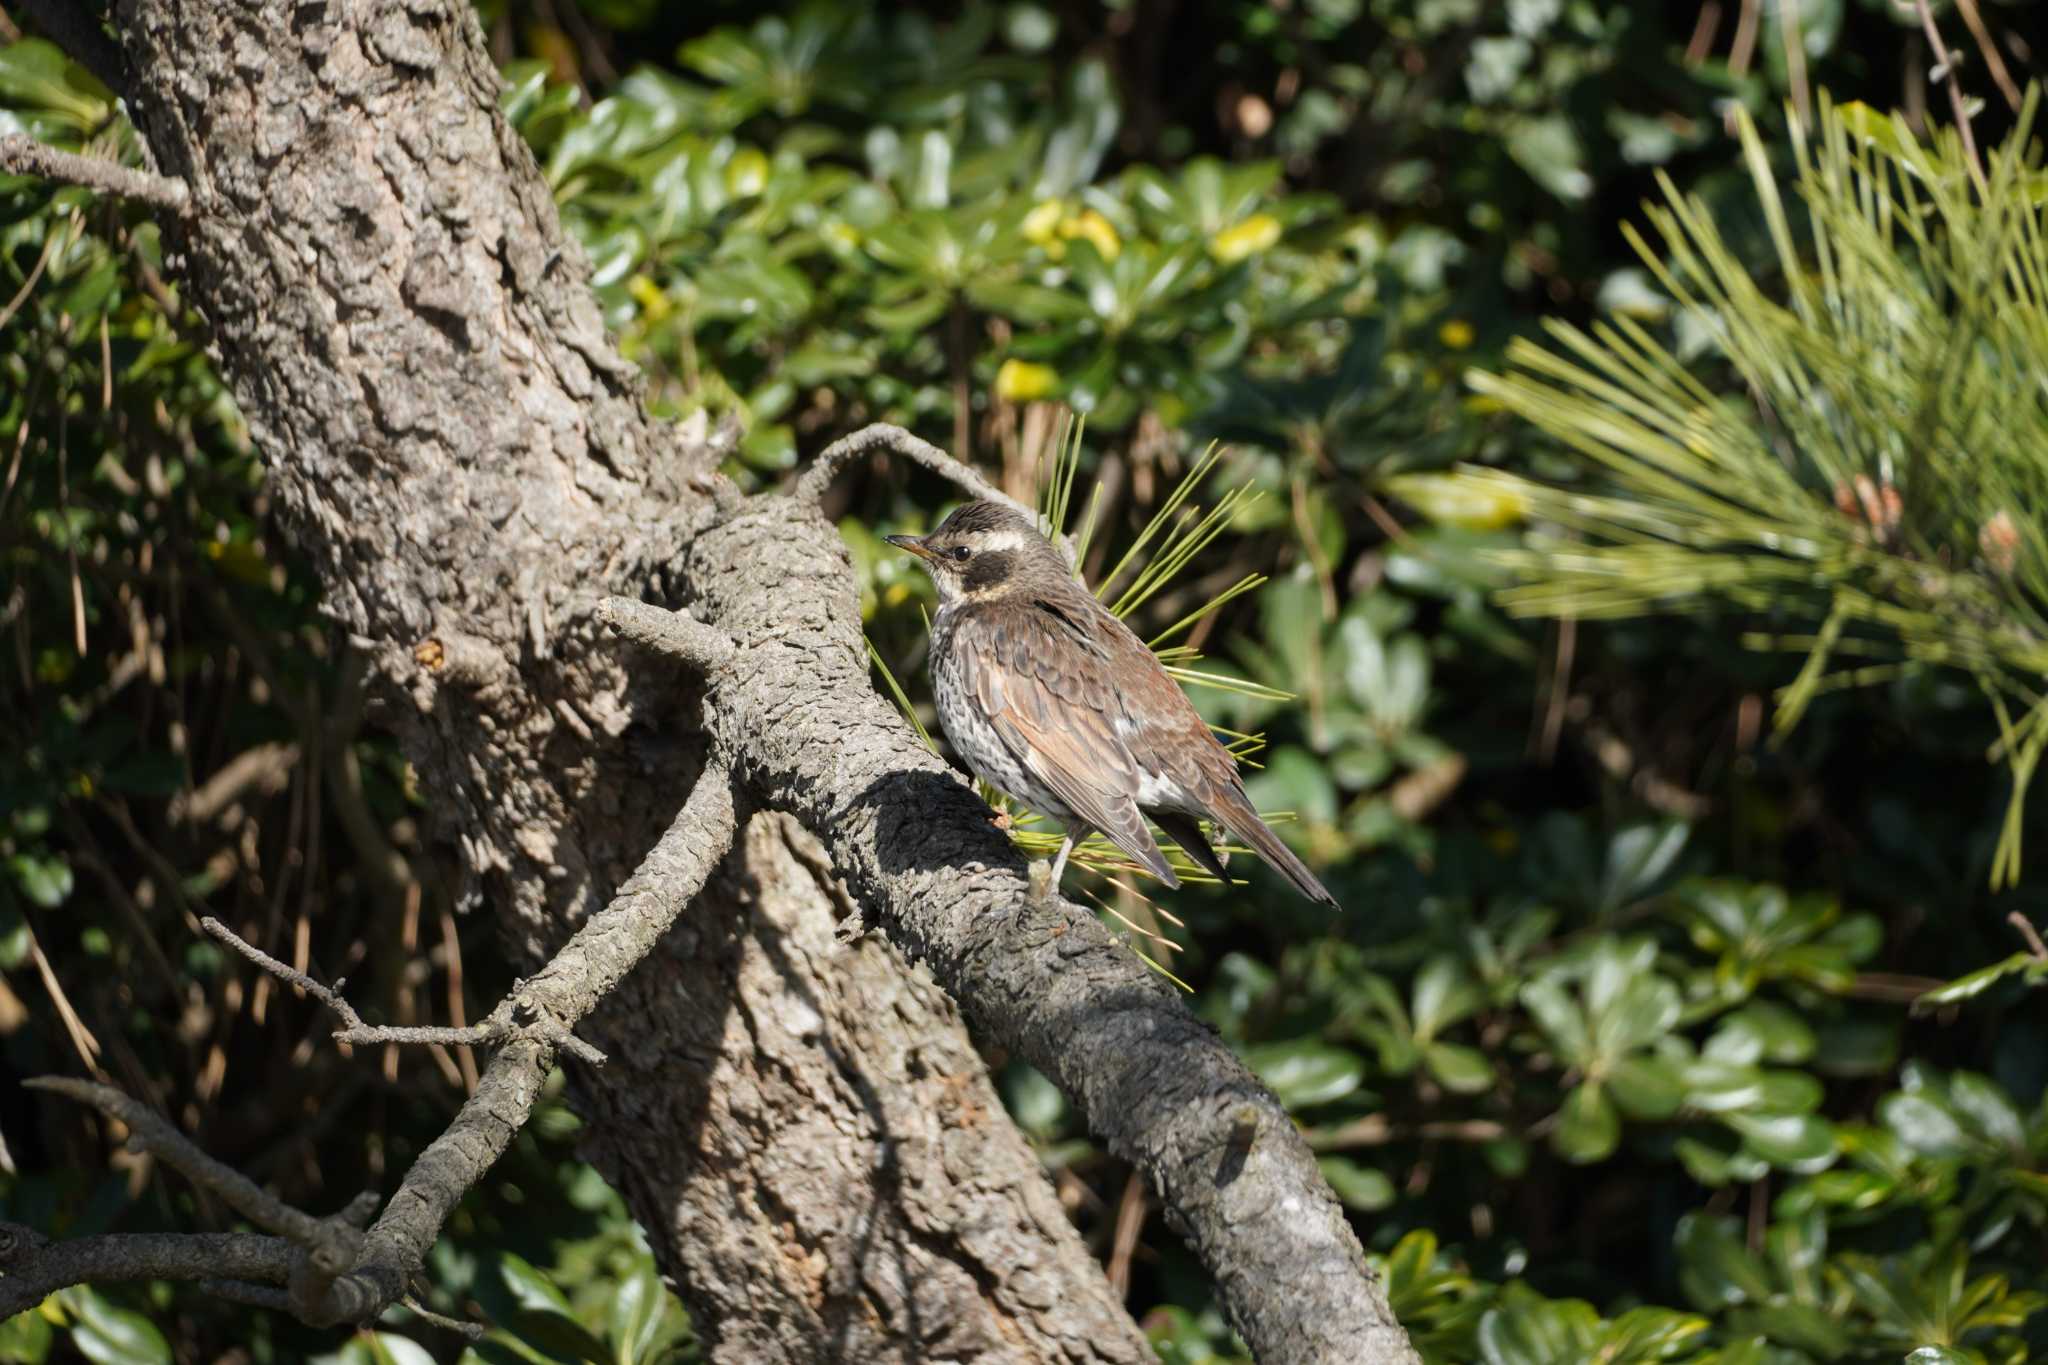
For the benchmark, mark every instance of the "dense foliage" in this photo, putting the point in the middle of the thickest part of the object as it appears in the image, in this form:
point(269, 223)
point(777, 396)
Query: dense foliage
point(1613, 1049)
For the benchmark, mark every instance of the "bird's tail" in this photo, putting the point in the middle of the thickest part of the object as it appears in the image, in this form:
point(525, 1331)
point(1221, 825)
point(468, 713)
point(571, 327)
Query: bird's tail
point(1233, 810)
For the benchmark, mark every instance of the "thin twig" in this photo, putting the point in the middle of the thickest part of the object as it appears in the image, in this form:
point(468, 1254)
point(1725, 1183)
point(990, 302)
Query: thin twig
point(2030, 934)
point(1130, 1223)
point(284, 972)
point(883, 436)
point(354, 1032)
point(1985, 45)
point(472, 1330)
point(1946, 60)
point(23, 155)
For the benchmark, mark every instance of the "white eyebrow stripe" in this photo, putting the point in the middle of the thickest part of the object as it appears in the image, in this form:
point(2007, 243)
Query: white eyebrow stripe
point(1006, 540)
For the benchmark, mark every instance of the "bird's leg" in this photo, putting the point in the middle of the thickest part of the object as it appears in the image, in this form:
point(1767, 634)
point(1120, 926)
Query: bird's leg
point(1050, 886)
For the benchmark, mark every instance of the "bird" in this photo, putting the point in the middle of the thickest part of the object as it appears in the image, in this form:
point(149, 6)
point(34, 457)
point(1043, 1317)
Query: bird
point(1049, 696)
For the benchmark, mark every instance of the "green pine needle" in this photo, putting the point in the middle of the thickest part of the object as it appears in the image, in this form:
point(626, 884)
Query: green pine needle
point(1879, 463)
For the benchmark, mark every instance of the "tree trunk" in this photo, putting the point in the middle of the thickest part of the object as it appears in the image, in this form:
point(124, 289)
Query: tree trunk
point(804, 1129)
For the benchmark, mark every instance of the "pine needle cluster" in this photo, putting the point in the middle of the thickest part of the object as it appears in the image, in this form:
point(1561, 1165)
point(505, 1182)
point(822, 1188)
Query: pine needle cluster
point(1876, 461)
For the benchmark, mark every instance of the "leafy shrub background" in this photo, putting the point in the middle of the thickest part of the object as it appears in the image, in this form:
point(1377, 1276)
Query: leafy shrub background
point(1611, 1049)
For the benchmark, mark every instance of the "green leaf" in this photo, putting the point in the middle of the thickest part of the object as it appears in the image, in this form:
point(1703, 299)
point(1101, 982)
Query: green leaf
point(1761, 1031)
point(1644, 1010)
point(1306, 1071)
point(1649, 1333)
point(26, 1337)
point(1983, 979)
point(1360, 1187)
point(45, 880)
point(1647, 1088)
point(1926, 1125)
point(1560, 1018)
point(1588, 1126)
point(1444, 993)
point(1798, 1142)
point(36, 74)
point(531, 1288)
point(1988, 1109)
point(1459, 1069)
point(558, 1334)
point(1525, 1328)
point(1637, 859)
point(108, 1334)
point(633, 1322)
point(378, 1348)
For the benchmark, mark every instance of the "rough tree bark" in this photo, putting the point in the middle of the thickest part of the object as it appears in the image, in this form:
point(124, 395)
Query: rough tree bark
point(804, 1128)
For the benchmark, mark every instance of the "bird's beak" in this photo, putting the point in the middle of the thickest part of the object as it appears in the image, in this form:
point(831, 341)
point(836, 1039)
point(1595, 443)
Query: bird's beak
point(914, 544)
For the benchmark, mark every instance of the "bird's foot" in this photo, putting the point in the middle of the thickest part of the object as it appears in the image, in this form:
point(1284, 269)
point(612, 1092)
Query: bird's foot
point(1043, 888)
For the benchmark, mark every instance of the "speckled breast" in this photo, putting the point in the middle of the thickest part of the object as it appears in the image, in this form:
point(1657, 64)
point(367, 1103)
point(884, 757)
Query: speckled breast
point(973, 738)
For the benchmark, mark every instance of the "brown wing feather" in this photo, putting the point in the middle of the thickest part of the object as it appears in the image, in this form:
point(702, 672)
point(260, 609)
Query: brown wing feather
point(1055, 709)
point(1164, 734)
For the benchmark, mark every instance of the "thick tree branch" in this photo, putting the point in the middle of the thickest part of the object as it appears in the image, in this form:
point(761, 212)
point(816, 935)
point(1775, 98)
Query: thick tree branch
point(808, 733)
point(71, 27)
point(333, 1271)
point(23, 155)
point(35, 1268)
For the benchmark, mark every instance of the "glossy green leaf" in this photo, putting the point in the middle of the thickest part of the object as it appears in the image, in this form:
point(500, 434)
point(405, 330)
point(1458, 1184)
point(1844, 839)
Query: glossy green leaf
point(1360, 1187)
point(1588, 1126)
point(1647, 1088)
point(1800, 1142)
point(1444, 994)
point(1306, 1072)
point(2021, 964)
point(1459, 1069)
point(108, 1334)
point(46, 880)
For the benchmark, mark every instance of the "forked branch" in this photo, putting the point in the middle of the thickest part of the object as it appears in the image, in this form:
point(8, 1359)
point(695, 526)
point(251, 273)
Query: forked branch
point(334, 1270)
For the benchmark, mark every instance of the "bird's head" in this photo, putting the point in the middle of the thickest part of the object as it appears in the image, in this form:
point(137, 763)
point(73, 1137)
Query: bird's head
point(983, 550)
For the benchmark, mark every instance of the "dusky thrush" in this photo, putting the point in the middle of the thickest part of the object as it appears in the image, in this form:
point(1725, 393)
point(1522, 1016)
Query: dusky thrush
point(1050, 697)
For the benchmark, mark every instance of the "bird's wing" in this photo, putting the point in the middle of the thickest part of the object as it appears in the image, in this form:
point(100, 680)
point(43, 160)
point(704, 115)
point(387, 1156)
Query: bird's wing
point(1045, 684)
point(1166, 738)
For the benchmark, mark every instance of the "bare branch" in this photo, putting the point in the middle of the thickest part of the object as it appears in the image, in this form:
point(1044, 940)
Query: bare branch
point(666, 632)
point(473, 1330)
point(23, 155)
point(614, 940)
point(151, 1132)
point(70, 27)
point(883, 436)
point(333, 1270)
point(36, 1268)
point(262, 766)
point(284, 972)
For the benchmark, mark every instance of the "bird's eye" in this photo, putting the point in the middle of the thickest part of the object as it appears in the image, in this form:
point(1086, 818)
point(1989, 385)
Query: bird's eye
point(961, 553)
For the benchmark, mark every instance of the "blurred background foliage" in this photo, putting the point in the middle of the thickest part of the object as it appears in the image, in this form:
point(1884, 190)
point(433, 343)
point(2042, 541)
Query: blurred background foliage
point(1633, 1041)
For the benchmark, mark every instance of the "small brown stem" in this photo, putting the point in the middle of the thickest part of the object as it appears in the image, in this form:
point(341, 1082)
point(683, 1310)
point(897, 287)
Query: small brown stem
point(2030, 934)
point(23, 155)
